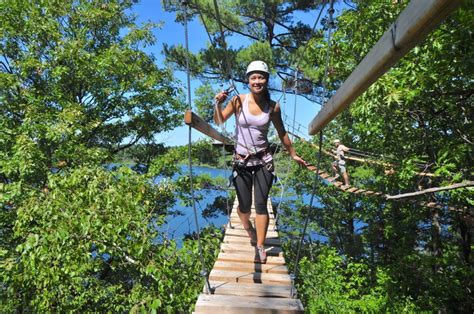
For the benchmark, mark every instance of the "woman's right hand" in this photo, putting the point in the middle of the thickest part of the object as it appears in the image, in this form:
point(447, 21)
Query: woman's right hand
point(300, 161)
point(221, 97)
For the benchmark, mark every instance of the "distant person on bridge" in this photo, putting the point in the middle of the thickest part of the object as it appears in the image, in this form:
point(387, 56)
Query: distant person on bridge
point(339, 165)
point(253, 161)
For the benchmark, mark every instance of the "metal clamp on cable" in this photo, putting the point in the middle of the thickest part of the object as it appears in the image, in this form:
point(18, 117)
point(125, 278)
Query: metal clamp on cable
point(393, 32)
point(209, 289)
point(293, 290)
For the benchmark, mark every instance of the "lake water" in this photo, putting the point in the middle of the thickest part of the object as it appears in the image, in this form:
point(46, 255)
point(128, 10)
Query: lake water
point(177, 226)
point(212, 207)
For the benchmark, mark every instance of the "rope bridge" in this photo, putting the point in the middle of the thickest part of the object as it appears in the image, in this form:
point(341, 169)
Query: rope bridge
point(240, 285)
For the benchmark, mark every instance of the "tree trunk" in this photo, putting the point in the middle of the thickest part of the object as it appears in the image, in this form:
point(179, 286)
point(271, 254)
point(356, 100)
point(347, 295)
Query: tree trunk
point(466, 241)
point(436, 248)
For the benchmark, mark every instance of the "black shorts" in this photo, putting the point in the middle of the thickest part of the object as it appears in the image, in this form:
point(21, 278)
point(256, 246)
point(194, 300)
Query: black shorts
point(258, 177)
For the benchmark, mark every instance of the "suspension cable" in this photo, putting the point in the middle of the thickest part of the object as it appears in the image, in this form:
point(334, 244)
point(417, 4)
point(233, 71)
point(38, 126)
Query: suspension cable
point(223, 43)
point(295, 102)
point(198, 231)
point(294, 275)
point(283, 185)
point(228, 73)
point(312, 33)
point(328, 53)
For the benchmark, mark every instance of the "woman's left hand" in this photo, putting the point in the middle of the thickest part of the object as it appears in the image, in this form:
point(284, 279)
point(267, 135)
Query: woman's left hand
point(300, 160)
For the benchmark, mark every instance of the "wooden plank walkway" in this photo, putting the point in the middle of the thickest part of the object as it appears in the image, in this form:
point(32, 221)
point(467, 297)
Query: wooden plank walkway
point(242, 286)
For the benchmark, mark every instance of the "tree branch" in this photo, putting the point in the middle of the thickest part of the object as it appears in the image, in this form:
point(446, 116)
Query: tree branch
point(464, 137)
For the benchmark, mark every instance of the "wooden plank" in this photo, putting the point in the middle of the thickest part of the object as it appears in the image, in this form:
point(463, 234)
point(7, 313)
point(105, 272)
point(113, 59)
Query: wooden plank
point(193, 120)
point(237, 223)
point(214, 303)
point(235, 218)
point(241, 232)
point(414, 23)
point(242, 240)
point(351, 190)
point(250, 277)
point(233, 247)
point(344, 187)
point(330, 179)
point(248, 257)
point(257, 290)
point(241, 266)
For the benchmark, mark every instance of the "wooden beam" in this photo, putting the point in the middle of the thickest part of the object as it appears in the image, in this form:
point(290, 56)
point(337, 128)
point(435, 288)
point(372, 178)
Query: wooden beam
point(414, 23)
point(193, 120)
point(432, 190)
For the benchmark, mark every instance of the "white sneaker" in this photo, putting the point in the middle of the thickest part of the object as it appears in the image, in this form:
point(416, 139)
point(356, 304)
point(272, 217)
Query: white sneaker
point(260, 255)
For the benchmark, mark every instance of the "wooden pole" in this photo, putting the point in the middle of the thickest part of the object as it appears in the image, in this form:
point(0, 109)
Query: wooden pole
point(193, 120)
point(415, 22)
point(432, 190)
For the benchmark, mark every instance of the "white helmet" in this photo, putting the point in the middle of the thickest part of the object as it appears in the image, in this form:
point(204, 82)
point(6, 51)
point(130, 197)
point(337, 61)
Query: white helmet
point(257, 66)
point(336, 141)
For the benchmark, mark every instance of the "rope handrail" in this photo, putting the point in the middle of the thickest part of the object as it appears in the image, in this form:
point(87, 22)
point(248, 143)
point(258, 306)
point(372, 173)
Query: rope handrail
point(463, 211)
point(316, 181)
point(370, 161)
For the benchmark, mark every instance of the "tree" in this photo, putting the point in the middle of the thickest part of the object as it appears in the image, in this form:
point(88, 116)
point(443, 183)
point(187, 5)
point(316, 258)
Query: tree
point(267, 29)
point(416, 114)
point(76, 90)
point(78, 233)
point(204, 99)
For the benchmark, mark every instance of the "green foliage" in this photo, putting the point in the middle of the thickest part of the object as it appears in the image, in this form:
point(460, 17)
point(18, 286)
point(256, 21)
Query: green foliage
point(204, 102)
point(330, 284)
point(77, 232)
point(256, 51)
point(167, 164)
point(204, 152)
point(90, 242)
point(378, 255)
point(76, 91)
point(268, 31)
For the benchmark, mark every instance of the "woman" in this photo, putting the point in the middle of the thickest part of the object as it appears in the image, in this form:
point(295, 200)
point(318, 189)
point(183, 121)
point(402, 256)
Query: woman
point(340, 162)
point(253, 162)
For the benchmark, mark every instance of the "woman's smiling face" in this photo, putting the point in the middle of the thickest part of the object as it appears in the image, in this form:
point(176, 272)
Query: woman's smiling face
point(258, 82)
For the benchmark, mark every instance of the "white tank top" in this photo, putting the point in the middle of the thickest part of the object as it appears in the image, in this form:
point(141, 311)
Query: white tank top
point(252, 129)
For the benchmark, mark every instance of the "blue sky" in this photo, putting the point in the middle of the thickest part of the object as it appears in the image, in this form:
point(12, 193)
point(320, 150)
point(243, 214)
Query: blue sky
point(173, 33)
